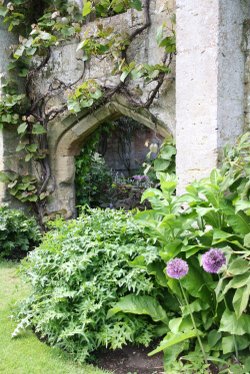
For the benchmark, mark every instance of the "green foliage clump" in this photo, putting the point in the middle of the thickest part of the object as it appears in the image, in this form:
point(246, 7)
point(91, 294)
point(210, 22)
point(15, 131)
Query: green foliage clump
point(94, 180)
point(81, 269)
point(213, 213)
point(18, 234)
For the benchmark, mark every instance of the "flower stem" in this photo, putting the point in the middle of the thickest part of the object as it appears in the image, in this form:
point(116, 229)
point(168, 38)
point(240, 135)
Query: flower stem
point(194, 324)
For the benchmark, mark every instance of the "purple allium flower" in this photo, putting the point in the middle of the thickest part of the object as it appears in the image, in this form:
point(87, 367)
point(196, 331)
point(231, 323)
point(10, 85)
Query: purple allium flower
point(177, 268)
point(213, 260)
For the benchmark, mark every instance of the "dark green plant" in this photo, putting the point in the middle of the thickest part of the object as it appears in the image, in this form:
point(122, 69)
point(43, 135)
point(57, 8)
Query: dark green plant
point(81, 269)
point(93, 181)
point(18, 234)
point(93, 178)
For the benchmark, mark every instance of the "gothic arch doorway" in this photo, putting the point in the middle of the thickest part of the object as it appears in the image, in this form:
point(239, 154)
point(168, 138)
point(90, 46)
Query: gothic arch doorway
point(67, 143)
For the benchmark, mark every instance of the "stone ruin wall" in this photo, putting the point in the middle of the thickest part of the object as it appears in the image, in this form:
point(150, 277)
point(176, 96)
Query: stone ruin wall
point(201, 29)
point(68, 132)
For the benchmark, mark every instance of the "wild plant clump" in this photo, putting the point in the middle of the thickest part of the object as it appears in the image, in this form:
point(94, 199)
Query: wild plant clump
point(81, 269)
point(18, 233)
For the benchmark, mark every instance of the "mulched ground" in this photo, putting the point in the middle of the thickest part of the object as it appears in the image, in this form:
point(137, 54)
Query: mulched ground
point(133, 360)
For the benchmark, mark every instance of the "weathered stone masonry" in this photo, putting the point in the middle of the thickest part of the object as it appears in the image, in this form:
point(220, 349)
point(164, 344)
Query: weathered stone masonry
point(212, 91)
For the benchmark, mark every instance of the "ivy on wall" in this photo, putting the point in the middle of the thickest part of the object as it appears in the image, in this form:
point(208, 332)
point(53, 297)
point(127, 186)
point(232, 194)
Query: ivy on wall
point(41, 25)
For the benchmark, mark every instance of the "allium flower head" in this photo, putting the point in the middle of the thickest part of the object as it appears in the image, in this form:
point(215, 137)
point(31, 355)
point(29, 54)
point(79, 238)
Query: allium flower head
point(177, 268)
point(213, 260)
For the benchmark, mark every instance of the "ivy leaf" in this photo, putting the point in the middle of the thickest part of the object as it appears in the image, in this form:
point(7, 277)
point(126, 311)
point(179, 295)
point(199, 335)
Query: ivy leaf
point(3, 10)
point(19, 52)
point(87, 8)
point(20, 147)
point(136, 4)
point(32, 148)
point(28, 157)
point(43, 195)
point(22, 128)
point(124, 75)
point(38, 129)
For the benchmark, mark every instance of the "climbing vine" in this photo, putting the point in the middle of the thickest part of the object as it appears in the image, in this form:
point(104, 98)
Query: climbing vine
point(42, 25)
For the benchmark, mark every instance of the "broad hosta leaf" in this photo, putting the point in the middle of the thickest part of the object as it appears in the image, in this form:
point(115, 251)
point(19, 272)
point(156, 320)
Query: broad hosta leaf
point(230, 323)
point(172, 339)
point(140, 305)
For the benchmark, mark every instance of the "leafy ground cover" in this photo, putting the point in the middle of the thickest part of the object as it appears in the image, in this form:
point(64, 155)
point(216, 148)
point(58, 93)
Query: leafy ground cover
point(27, 354)
point(79, 271)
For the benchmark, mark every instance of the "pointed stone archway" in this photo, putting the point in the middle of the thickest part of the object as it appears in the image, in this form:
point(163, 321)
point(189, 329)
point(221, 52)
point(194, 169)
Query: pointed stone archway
point(66, 140)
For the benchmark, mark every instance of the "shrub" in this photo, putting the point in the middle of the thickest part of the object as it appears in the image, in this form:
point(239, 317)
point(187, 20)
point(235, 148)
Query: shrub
point(18, 234)
point(81, 269)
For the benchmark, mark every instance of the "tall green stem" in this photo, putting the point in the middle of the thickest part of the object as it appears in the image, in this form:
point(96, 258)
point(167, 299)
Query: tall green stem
point(193, 322)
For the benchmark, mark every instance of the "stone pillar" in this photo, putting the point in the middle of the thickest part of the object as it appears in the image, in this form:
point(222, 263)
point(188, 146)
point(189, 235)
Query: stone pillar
point(209, 83)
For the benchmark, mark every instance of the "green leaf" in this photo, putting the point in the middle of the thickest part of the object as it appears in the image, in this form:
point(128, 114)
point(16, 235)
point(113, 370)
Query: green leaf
point(159, 34)
point(87, 8)
point(228, 343)
point(136, 4)
point(124, 75)
point(172, 339)
point(20, 147)
point(38, 129)
point(3, 11)
point(247, 240)
point(238, 266)
point(213, 337)
point(171, 354)
point(22, 128)
point(240, 222)
point(238, 281)
point(19, 52)
point(229, 323)
point(28, 157)
point(140, 305)
point(160, 164)
point(240, 300)
point(32, 148)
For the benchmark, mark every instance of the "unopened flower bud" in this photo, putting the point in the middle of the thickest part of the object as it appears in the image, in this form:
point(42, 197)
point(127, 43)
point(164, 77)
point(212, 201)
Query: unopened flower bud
point(55, 15)
point(153, 148)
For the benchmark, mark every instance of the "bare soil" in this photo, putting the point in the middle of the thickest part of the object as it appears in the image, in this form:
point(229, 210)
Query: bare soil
point(130, 360)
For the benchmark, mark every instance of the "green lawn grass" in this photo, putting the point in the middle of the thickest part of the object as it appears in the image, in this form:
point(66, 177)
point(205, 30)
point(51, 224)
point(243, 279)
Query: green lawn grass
point(26, 354)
